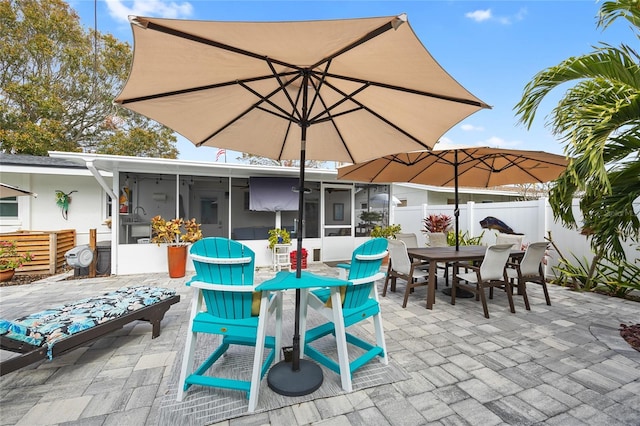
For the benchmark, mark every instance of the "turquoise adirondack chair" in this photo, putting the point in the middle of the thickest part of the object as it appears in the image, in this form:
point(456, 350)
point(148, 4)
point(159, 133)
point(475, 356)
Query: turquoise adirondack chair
point(346, 306)
point(224, 282)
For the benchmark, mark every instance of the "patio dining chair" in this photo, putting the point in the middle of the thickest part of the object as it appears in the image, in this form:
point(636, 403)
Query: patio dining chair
point(514, 239)
point(491, 273)
point(439, 239)
point(224, 281)
point(401, 266)
point(410, 239)
point(529, 269)
point(344, 307)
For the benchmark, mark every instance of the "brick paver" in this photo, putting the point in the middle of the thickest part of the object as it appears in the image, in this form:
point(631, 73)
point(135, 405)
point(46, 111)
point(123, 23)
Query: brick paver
point(563, 364)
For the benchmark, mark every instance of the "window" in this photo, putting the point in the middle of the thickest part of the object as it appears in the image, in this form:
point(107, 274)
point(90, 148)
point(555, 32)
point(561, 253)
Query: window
point(9, 207)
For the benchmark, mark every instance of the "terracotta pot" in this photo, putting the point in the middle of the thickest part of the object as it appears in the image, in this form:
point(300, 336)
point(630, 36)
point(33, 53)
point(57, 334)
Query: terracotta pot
point(6, 274)
point(177, 260)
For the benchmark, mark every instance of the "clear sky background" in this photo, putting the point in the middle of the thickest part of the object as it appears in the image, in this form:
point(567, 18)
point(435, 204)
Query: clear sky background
point(493, 48)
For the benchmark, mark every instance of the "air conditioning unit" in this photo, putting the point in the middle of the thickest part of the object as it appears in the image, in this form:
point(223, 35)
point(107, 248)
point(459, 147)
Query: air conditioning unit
point(79, 257)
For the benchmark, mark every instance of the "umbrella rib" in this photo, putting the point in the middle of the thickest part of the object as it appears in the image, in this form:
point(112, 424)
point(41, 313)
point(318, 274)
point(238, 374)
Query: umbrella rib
point(375, 114)
point(372, 34)
point(283, 89)
point(265, 99)
point(411, 91)
point(181, 34)
point(196, 89)
point(329, 117)
point(246, 111)
point(344, 98)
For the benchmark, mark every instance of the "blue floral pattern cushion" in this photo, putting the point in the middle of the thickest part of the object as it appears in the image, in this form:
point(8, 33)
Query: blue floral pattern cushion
point(55, 324)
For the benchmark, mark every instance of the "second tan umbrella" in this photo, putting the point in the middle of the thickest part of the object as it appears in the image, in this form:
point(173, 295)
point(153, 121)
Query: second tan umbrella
point(481, 167)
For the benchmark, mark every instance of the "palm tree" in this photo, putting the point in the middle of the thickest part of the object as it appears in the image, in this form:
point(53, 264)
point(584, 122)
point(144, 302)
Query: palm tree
point(598, 120)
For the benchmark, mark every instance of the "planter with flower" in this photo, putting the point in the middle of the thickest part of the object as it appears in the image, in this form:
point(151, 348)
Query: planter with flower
point(278, 236)
point(436, 229)
point(177, 234)
point(437, 223)
point(11, 259)
point(279, 244)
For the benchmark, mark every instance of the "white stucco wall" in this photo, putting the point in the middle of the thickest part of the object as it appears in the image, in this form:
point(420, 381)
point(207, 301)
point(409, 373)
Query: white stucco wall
point(87, 209)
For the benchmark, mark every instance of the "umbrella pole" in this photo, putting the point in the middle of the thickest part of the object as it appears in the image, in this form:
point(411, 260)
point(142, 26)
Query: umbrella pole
point(303, 376)
point(456, 211)
point(462, 293)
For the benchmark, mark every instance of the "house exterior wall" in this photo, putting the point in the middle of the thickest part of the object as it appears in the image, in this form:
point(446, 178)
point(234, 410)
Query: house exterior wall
point(87, 209)
point(414, 195)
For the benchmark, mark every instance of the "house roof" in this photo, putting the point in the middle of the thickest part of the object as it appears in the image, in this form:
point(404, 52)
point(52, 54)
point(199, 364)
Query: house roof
point(37, 161)
point(119, 163)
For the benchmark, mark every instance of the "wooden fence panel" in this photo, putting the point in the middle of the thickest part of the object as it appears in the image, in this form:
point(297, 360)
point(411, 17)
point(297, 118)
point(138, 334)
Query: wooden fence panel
point(47, 248)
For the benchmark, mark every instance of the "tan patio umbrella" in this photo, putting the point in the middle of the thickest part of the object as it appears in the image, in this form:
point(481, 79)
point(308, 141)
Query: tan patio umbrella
point(472, 167)
point(7, 191)
point(342, 90)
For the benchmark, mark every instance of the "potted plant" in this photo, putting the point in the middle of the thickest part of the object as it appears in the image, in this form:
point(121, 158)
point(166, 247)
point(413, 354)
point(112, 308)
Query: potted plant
point(278, 236)
point(437, 223)
point(385, 231)
point(280, 254)
point(11, 259)
point(177, 234)
point(370, 217)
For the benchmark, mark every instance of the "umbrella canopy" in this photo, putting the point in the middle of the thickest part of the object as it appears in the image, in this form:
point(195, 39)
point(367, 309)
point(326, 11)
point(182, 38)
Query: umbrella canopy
point(13, 191)
point(367, 87)
point(341, 90)
point(473, 167)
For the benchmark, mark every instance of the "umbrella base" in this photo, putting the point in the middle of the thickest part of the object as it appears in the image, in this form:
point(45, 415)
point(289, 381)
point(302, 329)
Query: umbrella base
point(461, 293)
point(284, 381)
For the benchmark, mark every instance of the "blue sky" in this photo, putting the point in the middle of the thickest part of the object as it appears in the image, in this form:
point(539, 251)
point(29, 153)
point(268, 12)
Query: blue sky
point(493, 48)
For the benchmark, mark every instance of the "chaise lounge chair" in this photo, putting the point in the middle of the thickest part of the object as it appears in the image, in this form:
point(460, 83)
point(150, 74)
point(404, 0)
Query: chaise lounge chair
point(54, 331)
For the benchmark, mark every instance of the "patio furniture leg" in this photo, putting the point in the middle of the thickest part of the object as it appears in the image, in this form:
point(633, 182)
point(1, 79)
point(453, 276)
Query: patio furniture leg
point(483, 297)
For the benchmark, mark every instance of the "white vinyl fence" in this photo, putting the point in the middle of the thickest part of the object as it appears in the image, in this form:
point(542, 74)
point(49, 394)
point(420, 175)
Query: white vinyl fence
point(534, 219)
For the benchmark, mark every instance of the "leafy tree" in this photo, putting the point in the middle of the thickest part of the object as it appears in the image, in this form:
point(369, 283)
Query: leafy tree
point(57, 83)
point(598, 119)
point(263, 161)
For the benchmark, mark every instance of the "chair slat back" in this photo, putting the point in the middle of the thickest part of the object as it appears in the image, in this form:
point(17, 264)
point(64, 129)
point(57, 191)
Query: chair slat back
point(530, 264)
point(226, 262)
point(366, 261)
point(495, 259)
point(410, 239)
point(513, 239)
point(399, 257)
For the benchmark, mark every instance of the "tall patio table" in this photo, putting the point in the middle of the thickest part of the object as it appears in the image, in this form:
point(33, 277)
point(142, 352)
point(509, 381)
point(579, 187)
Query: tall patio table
point(447, 255)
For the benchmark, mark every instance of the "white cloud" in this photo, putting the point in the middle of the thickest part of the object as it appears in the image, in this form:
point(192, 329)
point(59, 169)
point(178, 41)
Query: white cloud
point(479, 15)
point(471, 128)
point(486, 15)
point(121, 9)
point(521, 14)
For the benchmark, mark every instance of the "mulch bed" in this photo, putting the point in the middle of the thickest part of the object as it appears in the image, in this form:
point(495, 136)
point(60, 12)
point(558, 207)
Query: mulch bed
point(21, 279)
point(630, 333)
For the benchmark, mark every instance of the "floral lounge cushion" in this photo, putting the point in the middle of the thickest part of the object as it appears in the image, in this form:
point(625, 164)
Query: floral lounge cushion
point(55, 324)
